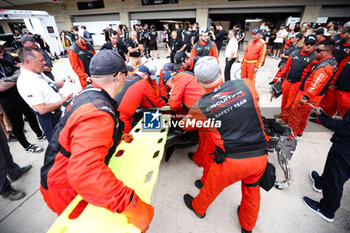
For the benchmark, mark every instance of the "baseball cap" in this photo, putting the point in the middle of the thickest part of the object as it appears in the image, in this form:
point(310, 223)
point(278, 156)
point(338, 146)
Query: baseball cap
point(203, 31)
point(310, 38)
point(282, 25)
point(207, 69)
point(26, 38)
point(84, 35)
point(299, 35)
point(256, 30)
point(107, 62)
point(322, 31)
point(144, 69)
point(168, 66)
point(168, 75)
point(346, 27)
point(153, 70)
point(179, 58)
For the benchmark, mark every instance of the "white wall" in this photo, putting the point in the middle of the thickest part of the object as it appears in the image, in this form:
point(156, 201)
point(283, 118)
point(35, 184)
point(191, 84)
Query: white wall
point(96, 29)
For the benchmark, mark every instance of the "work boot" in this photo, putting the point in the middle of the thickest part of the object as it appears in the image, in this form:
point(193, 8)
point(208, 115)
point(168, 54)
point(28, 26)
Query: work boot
point(24, 169)
point(278, 115)
point(198, 184)
point(190, 155)
point(313, 115)
point(188, 202)
point(313, 120)
point(281, 122)
point(242, 229)
point(12, 194)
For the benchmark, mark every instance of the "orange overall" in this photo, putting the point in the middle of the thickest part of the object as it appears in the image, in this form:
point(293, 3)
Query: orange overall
point(254, 56)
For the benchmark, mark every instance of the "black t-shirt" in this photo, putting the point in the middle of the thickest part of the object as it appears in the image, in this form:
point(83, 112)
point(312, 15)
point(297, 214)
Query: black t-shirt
point(39, 40)
point(130, 43)
point(120, 48)
point(153, 37)
point(175, 45)
point(219, 35)
point(167, 32)
point(7, 69)
point(187, 36)
point(179, 34)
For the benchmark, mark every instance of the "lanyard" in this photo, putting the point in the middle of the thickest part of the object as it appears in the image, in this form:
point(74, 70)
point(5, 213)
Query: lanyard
point(51, 84)
point(2, 71)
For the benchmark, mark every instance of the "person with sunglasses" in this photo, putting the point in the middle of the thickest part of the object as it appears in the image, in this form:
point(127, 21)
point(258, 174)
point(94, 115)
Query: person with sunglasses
point(297, 65)
point(313, 86)
point(254, 56)
point(76, 158)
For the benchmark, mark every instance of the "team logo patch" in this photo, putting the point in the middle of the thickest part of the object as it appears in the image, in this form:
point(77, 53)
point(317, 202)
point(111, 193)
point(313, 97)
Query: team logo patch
point(151, 120)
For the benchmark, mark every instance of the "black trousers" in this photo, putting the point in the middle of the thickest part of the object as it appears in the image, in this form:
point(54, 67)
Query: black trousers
point(336, 172)
point(146, 45)
point(15, 110)
point(7, 166)
point(228, 66)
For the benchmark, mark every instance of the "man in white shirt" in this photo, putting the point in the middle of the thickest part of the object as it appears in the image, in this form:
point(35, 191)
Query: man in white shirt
point(40, 93)
point(278, 43)
point(230, 54)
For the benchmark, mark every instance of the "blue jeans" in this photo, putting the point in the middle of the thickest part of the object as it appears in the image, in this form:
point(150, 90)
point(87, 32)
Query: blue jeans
point(48, 122)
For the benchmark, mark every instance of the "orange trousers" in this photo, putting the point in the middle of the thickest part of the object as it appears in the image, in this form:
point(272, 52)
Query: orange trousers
point(229, 172)
point(289, 91)
point(328, 102)
point(247, 71)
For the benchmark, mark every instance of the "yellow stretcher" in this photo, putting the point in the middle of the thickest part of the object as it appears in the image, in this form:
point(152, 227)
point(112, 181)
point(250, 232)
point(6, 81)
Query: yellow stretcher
point(137, 167)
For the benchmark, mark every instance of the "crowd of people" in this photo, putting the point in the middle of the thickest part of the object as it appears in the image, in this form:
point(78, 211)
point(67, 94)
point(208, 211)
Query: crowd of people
point(313, 74)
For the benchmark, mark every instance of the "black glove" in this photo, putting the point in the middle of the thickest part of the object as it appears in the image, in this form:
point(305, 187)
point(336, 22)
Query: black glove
point(219, 155)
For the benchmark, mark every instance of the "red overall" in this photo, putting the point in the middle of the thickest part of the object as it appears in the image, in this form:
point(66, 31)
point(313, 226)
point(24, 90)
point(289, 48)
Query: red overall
point(254, 56)
point(297, 66)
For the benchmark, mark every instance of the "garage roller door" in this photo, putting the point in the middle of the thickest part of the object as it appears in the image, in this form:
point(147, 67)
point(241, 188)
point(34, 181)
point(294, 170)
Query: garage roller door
point(163, 15)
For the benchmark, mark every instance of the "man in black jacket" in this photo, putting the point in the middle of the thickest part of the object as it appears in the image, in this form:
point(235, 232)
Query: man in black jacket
point(116, 45)
point(336, 171)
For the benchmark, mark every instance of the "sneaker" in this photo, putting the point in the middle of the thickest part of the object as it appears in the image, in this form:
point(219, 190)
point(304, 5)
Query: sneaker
point(313, 176)
point(277, 115)
point(190, 155)
point(242, 229)
point(12, 138)
point(281, 122)
point(238, 61)
point(198, 184)
point(188, 202)
point(12, 194)
point(167, 56)
point(158, 58)
point(34, 149)
point(299, 134)
point(23, 170)
point(42, 137)
point(315, 207)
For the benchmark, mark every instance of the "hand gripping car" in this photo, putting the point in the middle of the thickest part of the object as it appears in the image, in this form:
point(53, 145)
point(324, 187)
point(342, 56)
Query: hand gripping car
point(281, 140)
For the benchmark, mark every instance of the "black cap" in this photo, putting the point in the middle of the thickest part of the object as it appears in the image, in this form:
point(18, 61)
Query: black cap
point(282, 25)
point(179, 58)
point(322, 31)
point(108, 62)
point(299, 35)
point(310, 38)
